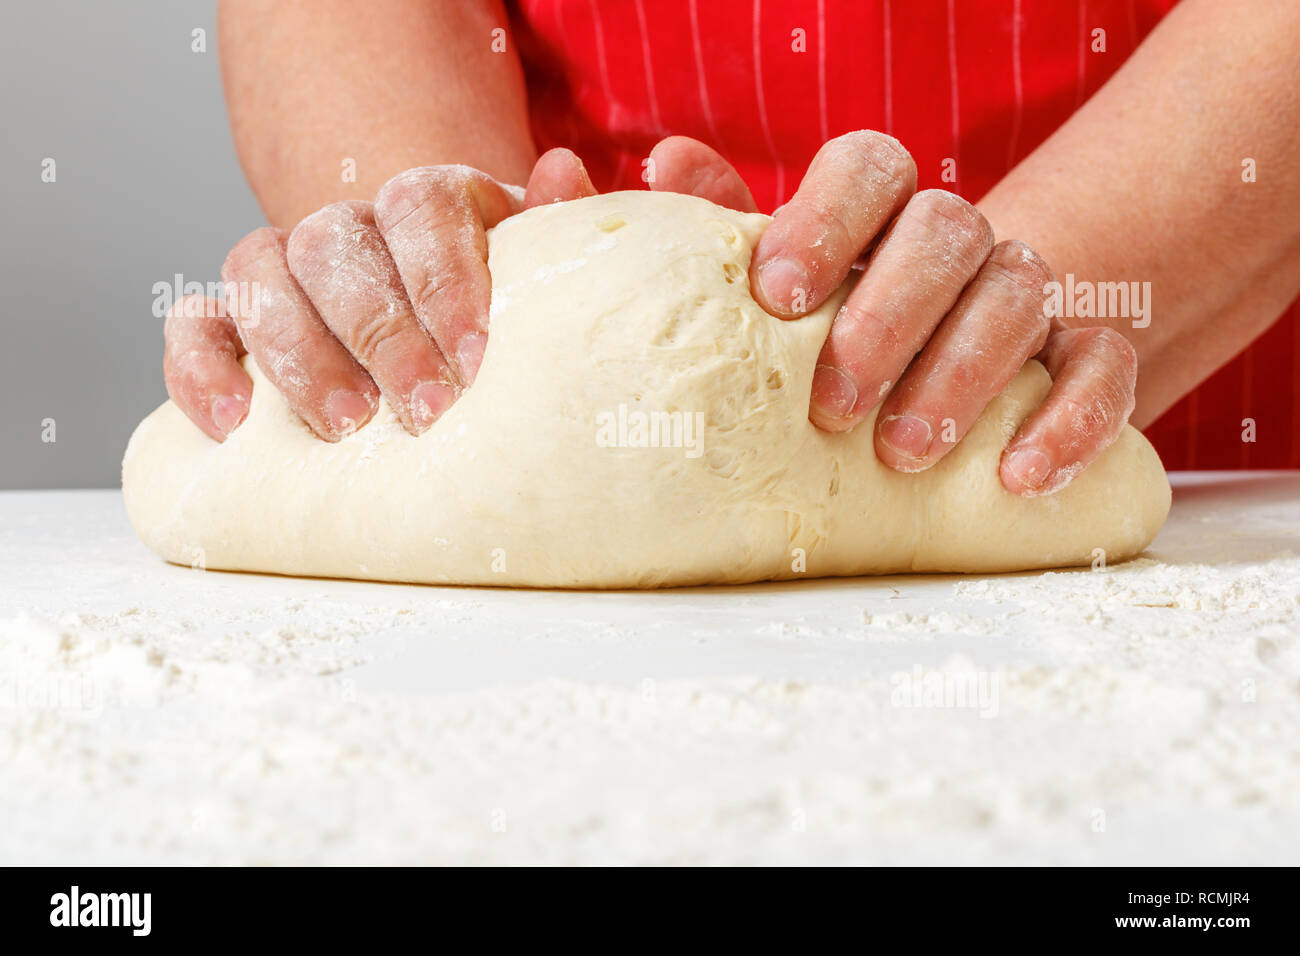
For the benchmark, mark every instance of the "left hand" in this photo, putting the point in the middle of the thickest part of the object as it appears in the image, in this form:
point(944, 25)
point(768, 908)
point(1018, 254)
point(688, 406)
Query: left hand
point(941, 321)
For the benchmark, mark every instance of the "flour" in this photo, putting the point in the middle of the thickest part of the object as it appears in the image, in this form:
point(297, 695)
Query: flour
point(734, 769)
point(1215, 591)
point(1140, 713)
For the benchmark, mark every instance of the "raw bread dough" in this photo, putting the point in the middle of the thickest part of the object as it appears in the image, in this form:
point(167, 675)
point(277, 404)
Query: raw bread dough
point(621, 310)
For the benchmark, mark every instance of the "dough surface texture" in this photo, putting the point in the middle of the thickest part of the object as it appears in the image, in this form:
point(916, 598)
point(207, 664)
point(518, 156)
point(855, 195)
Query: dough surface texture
point(620, 324)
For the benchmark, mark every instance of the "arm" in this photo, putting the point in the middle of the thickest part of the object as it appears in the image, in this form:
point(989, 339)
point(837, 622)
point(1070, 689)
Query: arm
point(1144, 184)
point(391, 84)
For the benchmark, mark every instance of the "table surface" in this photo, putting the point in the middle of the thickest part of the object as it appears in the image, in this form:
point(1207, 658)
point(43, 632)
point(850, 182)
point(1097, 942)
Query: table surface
point(1140, 713)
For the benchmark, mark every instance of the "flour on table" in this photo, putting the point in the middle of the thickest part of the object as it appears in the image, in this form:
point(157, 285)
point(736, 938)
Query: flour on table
point(1141, 698)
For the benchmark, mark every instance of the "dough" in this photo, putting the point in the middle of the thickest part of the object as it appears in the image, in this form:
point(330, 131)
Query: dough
point(638, 421)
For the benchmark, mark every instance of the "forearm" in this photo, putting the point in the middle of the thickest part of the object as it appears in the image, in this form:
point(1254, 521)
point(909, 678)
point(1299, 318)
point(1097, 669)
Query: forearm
point(328, 100)
point(1144, 184)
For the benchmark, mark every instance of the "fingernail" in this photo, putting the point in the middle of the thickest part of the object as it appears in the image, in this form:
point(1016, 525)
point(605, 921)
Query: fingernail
point(347, 411)
point(908, 435)
point(785, 284)
point(429, 400)
point(469, 355)
point(1030, 467)
point(228, 411)
point(833, 392)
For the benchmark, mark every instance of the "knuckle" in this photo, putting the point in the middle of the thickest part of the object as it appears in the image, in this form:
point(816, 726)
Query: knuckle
point(940, 204)
point(1105, 339)
point(1086, 411)
point(712, 178)
point(1014, 262)
point(327, 228)
point(1128, 357)
point(876, 155)
point(187, 367)
point(1114, 349)
point(1037, 330)
point(254, 247)
point(833, 230)
point(180, 316)
point(434, 286)
point(966, 235)
point(284, 346)
point(1018, 273)
point(407, 192)
point(194, 320)
point(1103, 391)
point(880, 149)
point(876, 326)
point(374, 336)
point(1038, 325)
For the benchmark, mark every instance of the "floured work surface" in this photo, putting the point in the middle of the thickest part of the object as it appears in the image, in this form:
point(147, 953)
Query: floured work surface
point(1143, 713)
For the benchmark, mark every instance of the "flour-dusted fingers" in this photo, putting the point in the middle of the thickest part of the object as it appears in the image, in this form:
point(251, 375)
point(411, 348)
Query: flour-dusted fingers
point(1094, 372)
point(285, 335)
point(997, 324)
point(684, 165)
point(201, 365)
point(557, 176)
point(341, 262)
point(854, 186)
point(913, 279)
point(433, 220)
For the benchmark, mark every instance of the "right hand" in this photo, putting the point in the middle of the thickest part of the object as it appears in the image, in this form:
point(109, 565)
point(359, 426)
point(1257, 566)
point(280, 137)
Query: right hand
point(359, 300)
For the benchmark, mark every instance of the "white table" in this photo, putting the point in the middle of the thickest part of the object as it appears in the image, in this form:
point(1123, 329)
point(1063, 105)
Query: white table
point(1144, 713)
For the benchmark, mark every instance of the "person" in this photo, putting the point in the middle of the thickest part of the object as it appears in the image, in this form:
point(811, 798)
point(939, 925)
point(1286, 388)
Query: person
point(1131, 145)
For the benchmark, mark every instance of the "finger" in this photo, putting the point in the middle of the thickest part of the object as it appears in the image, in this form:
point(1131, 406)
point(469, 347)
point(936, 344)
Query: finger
point(855, 185)
point(201, 366)
point(685, 165)
point(341, 262)
point(301, 357)
point(433, 221)
point(913, 279)
point(557, 176)
point(1094, 371)
point(996, 325)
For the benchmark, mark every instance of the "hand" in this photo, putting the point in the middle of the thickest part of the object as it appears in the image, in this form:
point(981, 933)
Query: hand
point(940, 322)
point(360, 300)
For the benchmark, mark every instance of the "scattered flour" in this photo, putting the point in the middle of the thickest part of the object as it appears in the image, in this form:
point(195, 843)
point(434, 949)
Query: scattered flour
point(258, 748)
point(1142, 713)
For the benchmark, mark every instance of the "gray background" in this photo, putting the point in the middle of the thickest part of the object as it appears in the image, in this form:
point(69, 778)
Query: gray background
point(147, 186)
